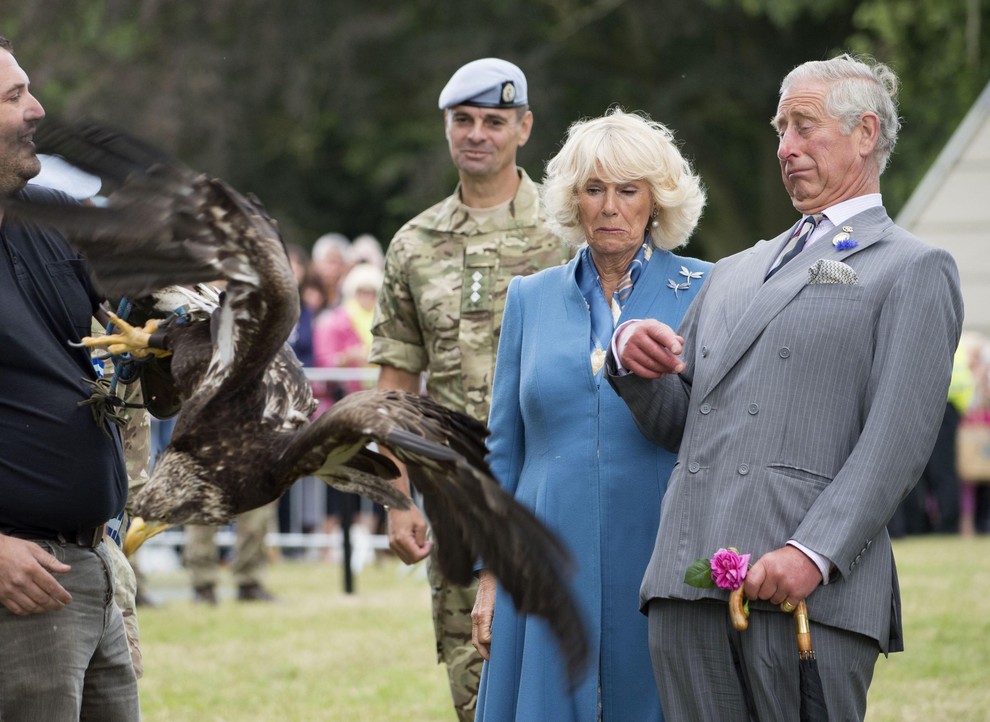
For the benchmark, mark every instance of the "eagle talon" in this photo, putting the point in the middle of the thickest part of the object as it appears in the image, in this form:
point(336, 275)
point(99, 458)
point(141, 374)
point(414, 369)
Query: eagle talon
point(128, 339)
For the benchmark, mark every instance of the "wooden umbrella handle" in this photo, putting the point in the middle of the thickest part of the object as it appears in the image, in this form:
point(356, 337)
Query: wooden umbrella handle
point(802, 627)
point(738, 611)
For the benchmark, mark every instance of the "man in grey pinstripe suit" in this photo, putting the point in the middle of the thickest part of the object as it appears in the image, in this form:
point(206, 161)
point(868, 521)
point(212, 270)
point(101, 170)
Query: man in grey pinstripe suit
point(803, 406)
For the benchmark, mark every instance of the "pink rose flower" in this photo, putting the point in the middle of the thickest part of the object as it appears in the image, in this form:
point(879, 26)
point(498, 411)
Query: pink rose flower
point(729, 568)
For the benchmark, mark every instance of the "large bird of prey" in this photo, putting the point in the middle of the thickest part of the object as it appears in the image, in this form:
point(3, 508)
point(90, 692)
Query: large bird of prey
point(244, 435)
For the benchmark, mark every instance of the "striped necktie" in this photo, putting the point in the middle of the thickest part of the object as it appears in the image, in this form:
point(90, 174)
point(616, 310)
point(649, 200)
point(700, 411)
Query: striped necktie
point(797, 243)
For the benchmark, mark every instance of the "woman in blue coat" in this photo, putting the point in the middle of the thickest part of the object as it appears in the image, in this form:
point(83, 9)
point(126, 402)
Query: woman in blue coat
point(563, 443)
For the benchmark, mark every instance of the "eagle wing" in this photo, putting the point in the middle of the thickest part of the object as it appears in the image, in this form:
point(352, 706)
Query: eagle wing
point(165, 224)
point(150, 232)
point(289, 401)
point(471, 515)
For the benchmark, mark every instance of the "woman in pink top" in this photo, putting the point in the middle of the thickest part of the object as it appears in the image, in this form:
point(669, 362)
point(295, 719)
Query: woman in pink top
point(342, 335)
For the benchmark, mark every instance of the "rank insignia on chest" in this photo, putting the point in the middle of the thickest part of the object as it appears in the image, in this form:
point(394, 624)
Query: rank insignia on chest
point(476, 292)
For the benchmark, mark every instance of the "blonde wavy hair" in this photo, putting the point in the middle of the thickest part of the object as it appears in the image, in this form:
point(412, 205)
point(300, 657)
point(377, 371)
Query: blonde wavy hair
point(617, 148)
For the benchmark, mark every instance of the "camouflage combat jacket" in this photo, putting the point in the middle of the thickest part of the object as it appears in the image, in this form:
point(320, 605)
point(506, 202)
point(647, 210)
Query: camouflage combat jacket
point(446, 277)
point(136, 434)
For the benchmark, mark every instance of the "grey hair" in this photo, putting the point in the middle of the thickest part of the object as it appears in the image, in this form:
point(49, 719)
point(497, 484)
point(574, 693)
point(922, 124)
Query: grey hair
point(856, 85)
point(617, 148)
point(330, 242)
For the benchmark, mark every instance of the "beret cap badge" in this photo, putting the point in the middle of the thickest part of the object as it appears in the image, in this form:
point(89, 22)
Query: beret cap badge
point(508, 91)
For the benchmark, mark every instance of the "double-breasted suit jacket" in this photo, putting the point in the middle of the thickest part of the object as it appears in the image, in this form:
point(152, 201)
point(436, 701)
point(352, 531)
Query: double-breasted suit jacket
point(807, 410)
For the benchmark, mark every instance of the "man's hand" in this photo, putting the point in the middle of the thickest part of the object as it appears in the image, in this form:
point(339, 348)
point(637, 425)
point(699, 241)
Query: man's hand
point(406, 528)
point(26, 582)
point(483, 614)
point(650, 349)
point(407, 534)
point(783, 575)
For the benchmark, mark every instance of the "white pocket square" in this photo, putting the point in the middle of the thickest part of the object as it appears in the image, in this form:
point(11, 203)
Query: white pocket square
point(828, 271)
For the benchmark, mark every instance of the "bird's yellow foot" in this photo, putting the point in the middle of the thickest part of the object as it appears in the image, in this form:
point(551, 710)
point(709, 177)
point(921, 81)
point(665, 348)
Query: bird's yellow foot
point(128, 339)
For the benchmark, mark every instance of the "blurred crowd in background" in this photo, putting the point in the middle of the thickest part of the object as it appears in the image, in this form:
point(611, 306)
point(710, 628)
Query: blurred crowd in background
point(338, 288)
point(953, 495)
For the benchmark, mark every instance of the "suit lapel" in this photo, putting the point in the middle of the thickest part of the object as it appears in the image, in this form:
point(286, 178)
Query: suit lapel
point(769, 298)
point(748, 279)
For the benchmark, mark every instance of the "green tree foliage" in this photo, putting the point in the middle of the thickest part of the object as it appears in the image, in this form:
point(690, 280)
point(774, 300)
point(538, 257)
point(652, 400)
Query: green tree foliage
point(327, 110)
point(942, 49)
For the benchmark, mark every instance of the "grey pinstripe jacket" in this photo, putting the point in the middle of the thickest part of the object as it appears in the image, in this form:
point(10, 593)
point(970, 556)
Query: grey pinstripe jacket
point(807, 410)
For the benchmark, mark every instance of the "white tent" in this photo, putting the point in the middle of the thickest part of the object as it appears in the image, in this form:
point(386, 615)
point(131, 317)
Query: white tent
point(950, 208)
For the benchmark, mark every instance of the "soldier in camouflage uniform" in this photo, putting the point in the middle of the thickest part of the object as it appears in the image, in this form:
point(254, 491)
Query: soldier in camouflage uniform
point(440, 308)
point(136, 439)
point(201, 557)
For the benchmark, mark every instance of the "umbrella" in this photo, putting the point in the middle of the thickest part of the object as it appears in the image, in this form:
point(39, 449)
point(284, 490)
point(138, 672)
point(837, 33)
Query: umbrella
point(813, 707)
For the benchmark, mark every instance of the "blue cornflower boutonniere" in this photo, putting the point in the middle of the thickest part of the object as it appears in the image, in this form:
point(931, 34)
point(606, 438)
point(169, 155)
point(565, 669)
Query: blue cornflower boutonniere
point(843, 241)
point(686, 283)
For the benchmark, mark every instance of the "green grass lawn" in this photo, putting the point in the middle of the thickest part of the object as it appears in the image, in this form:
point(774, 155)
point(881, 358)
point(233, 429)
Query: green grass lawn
point(316, 654)
point(944, 672)
point(320, 654)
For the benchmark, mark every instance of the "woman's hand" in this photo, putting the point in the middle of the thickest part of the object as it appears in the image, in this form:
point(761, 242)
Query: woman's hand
point(483, 613)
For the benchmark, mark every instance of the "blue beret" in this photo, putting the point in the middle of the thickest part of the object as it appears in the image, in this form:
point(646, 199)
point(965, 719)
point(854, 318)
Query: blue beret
point(489, 83)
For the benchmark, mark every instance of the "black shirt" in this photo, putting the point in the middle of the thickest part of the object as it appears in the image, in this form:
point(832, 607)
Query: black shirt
point(58, 470)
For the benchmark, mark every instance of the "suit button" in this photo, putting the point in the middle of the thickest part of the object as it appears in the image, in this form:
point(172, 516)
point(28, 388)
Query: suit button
point(784, 352)
point(743, 469)
point(704, 351)
point(706, 408)
point(694, 467)
point(754, 409)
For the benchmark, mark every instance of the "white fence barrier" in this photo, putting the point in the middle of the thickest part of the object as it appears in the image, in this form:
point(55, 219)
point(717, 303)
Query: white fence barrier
point(364, 373)
point(225, 538)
